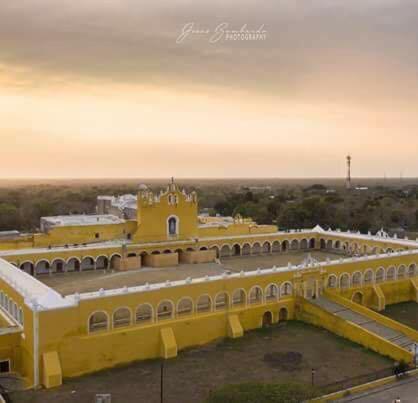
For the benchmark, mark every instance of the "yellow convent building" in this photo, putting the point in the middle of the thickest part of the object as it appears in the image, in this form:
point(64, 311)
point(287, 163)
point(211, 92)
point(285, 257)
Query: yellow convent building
point(47, 334)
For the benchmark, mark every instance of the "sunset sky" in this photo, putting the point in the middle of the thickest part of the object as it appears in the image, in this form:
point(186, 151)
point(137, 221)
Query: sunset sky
point(102, 88)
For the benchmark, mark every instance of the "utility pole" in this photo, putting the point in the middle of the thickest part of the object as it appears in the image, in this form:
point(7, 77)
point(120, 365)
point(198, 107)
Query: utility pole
point(348, 179)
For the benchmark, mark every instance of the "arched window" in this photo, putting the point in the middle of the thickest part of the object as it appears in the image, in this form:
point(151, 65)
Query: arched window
point(184, 307)
point(286, 289)
point(121, 317)
point(165, 310)
point(204, 304)
point(238, 297)
point(272, 292)
point(390, 274)
point(98, 321)
point(172, 226)
point(411, 270)
point(401, 272)
point(221, 301)
point(143, 314)
point(368, 276)
point(332, 281)
point(357, 278)
point(380, 274)
point(256, 295)
point(344, 281)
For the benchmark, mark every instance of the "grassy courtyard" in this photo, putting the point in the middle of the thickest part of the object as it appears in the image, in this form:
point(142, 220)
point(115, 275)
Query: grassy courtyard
point(284, 353)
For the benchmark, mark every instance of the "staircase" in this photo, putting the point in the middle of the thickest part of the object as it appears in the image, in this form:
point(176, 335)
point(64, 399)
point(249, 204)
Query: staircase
point(393, 336)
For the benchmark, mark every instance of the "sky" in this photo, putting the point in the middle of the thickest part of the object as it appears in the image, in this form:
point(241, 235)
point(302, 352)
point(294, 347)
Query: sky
point(133, 88)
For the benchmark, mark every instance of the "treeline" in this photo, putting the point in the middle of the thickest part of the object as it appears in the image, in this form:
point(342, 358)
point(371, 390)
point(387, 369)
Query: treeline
point(288, 207)
point(304, 208)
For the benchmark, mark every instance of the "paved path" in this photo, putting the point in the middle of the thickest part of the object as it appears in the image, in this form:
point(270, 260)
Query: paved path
point(366, 323)
point(406, 390)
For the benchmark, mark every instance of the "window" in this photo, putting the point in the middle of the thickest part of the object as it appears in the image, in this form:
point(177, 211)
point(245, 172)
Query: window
point(97, 235)
point(122, 318)
point(98, 322)
point(4, 366)
point(144, 314)
point(172, 226)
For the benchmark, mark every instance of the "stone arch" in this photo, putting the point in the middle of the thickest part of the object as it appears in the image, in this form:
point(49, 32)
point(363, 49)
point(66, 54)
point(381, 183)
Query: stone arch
point(356, 279)
point(98, 321)
point(185, 306)
point(267, 319)
point(255, 296)
point(329, 244)
point(294, 245)
point(102, 262)
point(155, 252)
point(221, 301)
point(412, 269)
point(225, 251)
point(276, 246)
point(167, 251)
point(246, 249)
point(401, 272)
point(144, 314)
point(304, 244)
point(121, 317)
point(203, 248)
point(58, 265)
point(380, 275)
point(42, 267)
point(344, 281)
point(322, 243)
point(73, 264)
point(236, 250)
point(271, 293)
point(337, 244)
point(165, 310)
point(332, 281)
point(312, 243)
point(368, 277)
point(256, 249)
point(204, 303)
point(358, 298)
point(283, 315)
point(87, 263)
point(285, 245)
point(239, 297)
point(115, 261)
point(28, 267)
point(391, 273)
point(286, 289)
point(266, 248)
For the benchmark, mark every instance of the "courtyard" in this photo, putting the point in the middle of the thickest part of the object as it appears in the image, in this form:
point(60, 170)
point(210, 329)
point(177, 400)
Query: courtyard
point(284, 353)
point(87, 281)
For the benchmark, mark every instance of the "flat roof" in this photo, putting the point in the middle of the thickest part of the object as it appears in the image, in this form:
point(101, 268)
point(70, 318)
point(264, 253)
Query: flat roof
point(82, 219)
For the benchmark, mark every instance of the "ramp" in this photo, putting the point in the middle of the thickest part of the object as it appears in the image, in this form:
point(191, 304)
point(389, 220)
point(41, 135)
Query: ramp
point(371, 325)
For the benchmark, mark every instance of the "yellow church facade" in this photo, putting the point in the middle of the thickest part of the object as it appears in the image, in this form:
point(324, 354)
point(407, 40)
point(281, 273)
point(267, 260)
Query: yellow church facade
point(46, 336)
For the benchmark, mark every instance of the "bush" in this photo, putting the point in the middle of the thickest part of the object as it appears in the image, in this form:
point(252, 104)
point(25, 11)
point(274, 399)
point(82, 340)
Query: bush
point(261, 393)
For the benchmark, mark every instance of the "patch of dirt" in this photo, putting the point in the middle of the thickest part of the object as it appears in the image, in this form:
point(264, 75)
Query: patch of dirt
point(286, 361)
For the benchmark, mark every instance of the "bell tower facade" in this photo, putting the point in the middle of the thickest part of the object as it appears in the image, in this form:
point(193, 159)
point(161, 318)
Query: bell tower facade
point(169, 215)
